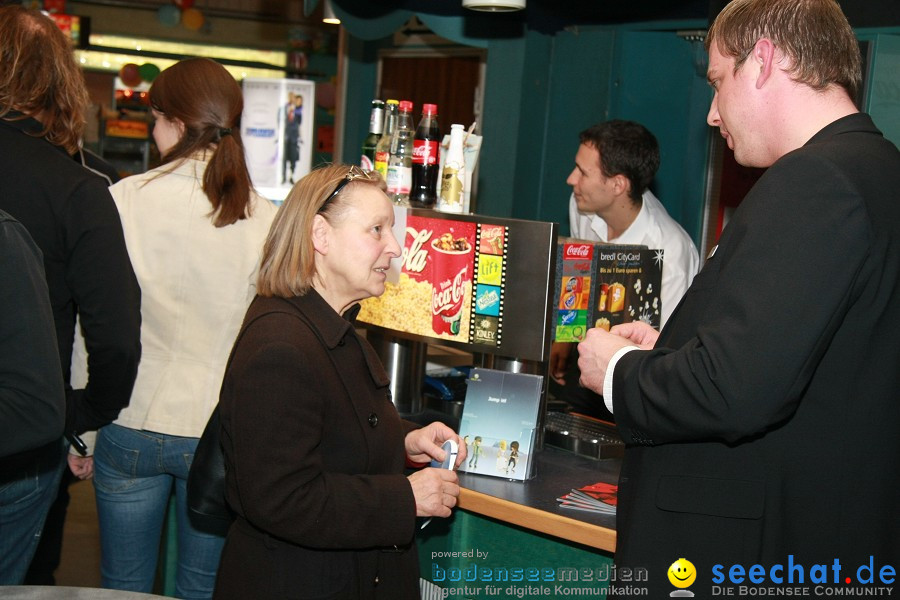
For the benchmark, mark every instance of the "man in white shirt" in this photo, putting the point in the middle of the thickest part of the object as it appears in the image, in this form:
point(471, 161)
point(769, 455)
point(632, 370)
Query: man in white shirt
point(611, 202)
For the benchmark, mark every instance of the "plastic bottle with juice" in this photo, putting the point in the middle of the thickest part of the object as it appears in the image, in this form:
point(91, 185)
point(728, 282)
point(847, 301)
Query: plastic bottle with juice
point(383, 147)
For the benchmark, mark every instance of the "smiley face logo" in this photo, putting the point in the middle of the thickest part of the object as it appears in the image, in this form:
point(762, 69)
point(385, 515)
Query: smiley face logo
point(682, 573)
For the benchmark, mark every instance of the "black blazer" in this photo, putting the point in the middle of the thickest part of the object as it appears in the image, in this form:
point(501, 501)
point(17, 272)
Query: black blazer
point(766, 422)
point(314, 453)
point(71, 216)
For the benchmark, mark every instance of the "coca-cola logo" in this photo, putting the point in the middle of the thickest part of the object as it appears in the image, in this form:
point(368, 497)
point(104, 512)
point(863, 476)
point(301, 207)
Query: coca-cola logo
point(578, 251)
point(425, 152)
point(490, 233)
point(448, 299)
point(415, 257)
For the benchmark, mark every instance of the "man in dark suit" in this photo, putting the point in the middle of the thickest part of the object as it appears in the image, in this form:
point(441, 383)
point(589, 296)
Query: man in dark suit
point(762, 425)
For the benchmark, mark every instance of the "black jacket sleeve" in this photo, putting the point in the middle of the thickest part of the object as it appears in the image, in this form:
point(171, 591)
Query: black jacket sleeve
point(108, 300)
point(32, 401)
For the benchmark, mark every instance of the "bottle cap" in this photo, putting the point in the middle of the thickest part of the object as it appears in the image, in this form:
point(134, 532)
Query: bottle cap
point(406, 106)
point(429, 109)
point(392, 101)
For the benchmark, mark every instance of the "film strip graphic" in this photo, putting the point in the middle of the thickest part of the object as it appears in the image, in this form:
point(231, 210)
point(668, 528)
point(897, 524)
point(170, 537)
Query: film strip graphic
point(489, 289)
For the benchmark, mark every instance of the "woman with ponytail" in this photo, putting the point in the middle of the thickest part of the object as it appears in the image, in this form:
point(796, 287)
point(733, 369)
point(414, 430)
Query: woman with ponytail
point(194, 228)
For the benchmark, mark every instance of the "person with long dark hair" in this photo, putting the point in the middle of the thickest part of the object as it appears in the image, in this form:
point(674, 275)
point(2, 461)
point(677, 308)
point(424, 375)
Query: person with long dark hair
point(194, 229)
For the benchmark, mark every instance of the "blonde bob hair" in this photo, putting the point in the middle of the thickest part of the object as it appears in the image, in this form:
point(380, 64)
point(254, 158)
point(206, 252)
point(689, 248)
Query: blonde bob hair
point(288, 260)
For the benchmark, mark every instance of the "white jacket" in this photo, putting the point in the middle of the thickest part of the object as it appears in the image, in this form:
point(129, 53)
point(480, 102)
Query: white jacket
point(197, 281)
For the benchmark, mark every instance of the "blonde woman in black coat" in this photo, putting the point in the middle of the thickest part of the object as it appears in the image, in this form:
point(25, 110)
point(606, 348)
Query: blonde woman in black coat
point(314, 449)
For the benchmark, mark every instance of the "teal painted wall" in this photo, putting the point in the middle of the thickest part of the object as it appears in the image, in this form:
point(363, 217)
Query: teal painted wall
point(658, 84)
point(514, 113)
point(502, 547)
point(883, 98)
point(579, 94)
point(362, 69)
point(582, 83)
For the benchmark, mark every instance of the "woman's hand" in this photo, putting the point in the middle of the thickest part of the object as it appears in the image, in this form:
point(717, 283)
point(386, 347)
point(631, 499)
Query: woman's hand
point(423, 445)
point(82, 467)
point(435, 491)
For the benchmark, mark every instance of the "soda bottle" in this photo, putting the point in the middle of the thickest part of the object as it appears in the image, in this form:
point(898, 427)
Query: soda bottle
point(453, 177)
point(425, 165)
point(399, 172)
point(383, 147)
point(376, 123)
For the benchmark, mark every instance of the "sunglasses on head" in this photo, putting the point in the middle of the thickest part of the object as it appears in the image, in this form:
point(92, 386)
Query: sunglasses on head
point(354, 173)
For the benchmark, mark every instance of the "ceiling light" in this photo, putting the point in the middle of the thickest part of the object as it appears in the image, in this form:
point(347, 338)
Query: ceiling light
point(328, 15)
point(494, 5)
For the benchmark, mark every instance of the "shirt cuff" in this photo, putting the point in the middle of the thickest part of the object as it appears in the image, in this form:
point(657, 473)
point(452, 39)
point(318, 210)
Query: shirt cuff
point(608, 380)
point(90, 440)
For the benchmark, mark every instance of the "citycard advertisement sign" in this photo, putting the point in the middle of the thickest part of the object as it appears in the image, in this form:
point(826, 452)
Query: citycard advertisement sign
point(602, 285)
point(449, 282)
point(277, 130)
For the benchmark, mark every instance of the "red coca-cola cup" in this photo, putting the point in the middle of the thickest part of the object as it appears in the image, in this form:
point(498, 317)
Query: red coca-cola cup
point(452, 267)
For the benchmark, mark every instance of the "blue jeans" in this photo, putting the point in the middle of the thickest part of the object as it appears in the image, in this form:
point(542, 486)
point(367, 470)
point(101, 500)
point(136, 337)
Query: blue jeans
point(26, 494)
point(133, 475)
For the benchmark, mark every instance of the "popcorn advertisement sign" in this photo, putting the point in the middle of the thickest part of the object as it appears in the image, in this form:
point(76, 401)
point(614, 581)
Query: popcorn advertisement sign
point(436, 292)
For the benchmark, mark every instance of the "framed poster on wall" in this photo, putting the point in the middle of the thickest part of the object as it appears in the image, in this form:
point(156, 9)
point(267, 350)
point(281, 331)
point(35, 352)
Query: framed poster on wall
point(277, 129)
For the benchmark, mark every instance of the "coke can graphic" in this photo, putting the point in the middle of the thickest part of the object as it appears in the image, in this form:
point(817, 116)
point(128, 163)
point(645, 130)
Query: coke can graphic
point(452, 267)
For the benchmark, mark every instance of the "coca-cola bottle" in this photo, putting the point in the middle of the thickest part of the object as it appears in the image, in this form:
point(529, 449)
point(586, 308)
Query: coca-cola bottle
point(425, 165)
point(399, 171)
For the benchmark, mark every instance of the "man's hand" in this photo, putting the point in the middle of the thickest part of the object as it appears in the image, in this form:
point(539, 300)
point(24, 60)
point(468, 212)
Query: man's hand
point(638, 332)
point(559, 361)
point(594, 353)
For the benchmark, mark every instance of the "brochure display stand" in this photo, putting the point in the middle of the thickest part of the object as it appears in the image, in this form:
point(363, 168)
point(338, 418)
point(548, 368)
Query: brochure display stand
point(499, 423)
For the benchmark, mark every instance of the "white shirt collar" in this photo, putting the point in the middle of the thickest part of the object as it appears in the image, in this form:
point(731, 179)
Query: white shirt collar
point(635, 232)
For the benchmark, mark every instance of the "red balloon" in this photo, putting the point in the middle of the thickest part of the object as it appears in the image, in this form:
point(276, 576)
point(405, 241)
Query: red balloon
point(130, 75)
point(326, 95)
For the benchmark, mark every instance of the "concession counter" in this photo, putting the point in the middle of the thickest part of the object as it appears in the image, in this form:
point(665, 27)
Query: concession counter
point(484, 288)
